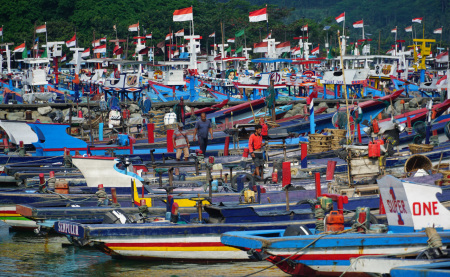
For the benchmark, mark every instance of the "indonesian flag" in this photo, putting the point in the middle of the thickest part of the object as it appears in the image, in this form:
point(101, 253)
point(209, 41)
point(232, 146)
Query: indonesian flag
point(269, 35)
point(296, 51)
point(305, 28)
point(232, 40)
point(63, 58)
point(176, 53)
point(315, 51)
point(358, 24)
point(1, 31)
point(35, 47)
point(41, 29)
point(72, 42)
point(86, 53)
point(394, 30)
point(261, 47)
point(100, 49)
point(103, 39)
point(258, 15)
point(180, 33)
point(149, 35)
point(185, 14)
point(438, 31)
point(96, 43)
point(168, 36)
point(283, 47)
point(134, 27)
point(408, 29)
point(117, 50)
point(213, 35)
point(19, 48)
point(340, 17)
point(417, 20)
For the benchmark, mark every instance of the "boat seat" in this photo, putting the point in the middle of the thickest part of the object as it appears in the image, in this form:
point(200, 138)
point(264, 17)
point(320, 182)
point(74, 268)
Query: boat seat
point(296, 230)
point(160, 170)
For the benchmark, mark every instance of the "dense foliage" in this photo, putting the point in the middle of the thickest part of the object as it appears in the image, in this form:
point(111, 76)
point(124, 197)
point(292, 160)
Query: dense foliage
point(96, 18)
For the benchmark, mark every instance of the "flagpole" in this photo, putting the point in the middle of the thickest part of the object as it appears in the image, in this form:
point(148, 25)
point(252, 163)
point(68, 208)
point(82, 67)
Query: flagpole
point(34, 40)
point(423, 28)
point(46, 40)
point(267, 20)
point(395, 42)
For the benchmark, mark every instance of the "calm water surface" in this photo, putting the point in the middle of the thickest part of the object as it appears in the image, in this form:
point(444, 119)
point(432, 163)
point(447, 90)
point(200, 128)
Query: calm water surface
point(25, 254)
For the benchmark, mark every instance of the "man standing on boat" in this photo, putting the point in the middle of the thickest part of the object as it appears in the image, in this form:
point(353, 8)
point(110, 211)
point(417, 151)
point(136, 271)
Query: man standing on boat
point(181, 142)
point(265, 128)
point(202, 127)
point(255, 145)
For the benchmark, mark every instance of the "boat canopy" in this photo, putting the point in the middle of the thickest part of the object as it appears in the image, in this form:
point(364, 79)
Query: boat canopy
point(19, 131)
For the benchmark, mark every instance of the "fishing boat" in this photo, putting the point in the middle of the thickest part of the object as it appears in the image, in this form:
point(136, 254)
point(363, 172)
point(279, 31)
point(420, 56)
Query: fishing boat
point(410, 208)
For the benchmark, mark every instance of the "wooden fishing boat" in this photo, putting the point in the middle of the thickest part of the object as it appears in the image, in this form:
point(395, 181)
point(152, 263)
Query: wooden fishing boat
point(410, 208)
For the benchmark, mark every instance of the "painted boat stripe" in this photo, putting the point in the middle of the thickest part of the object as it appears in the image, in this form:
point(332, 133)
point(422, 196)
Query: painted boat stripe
point(170, 249)
point(166, 244)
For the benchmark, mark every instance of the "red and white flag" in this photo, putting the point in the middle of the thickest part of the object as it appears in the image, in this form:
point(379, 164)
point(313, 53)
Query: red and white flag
point(261, 47)
point(168, 36)
point(1, 31)
point(20, 48)
point(180, 33)
point(269, 35)
point(340, 17)
point(408, 29)
point(394, 30)
point(41, 29)
point(64, 58)
point(417, 19)
point(86, 53)
point(148, 35)
point(437, 31)
point(258, 15)
point(358, 24)
point(296, 51)
point(103, 39)
point(134, 27)
point(213, 35)
point(72, 42)
point(35, 47)
point(185, 14)
point(96, 43)
point(283, 47)
point(100, 49)
point(118, 50)
point(231, 40)
point(315, 51)
point(305, 28)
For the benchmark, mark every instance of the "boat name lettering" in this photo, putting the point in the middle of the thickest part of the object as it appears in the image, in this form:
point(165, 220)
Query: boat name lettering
point(68, 229)
point(425, 208)
point(397, 206)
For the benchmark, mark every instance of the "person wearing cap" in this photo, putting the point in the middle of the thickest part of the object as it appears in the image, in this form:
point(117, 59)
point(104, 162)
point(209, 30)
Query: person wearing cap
point(255, 145)
point(181, 142)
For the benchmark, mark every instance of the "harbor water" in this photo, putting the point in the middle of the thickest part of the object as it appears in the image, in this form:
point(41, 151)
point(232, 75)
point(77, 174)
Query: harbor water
point(26, 254)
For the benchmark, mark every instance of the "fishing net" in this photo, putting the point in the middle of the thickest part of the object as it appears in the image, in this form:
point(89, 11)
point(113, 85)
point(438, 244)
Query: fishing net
point(421, 130)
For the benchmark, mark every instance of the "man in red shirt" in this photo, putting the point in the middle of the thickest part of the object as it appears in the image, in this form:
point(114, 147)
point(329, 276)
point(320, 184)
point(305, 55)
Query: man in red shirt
point(265, 128)
point(255, 145)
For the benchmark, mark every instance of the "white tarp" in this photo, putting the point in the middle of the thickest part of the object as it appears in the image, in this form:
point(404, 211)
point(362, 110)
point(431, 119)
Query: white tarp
point(19, 131)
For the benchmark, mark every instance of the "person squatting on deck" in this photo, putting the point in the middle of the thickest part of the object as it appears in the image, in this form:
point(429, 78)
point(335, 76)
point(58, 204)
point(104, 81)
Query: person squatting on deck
point(181, 142)
point(201, 130)
point(255, 145)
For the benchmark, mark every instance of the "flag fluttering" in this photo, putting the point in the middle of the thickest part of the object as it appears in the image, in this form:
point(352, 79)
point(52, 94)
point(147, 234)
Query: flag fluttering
point(340, 17)
point(185, 14)
point(258, 15)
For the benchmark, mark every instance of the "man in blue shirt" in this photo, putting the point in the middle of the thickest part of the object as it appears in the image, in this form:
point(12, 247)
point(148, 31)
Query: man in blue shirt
point(202, 127)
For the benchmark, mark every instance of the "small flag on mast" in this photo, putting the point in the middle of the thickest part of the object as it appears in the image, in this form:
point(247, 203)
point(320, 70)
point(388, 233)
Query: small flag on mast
point(185, 14)
point(408, 29)
point(41, 29)
point(258, 15)
point(417, 19)
point(438, 31)
point(133, 27)
point(72, 42)
point(213, 35)
point(358, 24)
point(340, 17)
